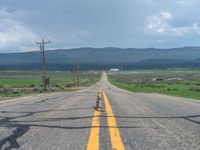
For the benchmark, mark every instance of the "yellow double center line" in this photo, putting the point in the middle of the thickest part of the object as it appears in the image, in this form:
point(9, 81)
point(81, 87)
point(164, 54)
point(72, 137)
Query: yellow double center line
point(116, 141)
point(93, 142)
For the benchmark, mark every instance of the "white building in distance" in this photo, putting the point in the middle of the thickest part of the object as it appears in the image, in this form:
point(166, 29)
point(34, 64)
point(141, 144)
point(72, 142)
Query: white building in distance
point(114, 69)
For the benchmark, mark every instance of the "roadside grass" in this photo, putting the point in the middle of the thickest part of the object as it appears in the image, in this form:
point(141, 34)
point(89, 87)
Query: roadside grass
point(142, 82)
point(21, 83)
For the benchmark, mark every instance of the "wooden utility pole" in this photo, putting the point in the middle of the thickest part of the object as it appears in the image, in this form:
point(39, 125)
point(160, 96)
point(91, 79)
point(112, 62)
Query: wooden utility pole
point(77, 74)
point(44, 79)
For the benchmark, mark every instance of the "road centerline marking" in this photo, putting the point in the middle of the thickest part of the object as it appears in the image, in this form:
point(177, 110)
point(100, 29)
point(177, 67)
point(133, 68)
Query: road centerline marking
point(116, 140)
point(93, 142)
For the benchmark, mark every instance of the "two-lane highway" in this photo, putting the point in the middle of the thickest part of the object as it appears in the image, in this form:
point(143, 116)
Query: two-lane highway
point(125, 120)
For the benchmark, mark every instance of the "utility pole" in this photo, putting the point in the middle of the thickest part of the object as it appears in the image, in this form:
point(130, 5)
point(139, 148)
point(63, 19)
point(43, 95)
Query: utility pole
point(44, 79)
point(77, 74)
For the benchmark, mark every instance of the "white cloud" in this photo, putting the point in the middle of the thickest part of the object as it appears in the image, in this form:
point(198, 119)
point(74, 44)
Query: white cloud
point(158, 24)
point(162, 24)
point(14, 33)
point(166, 15)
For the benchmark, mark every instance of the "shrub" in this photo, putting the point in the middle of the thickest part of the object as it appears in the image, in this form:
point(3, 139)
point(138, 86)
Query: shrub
point(174, 89)
point(32, 85)
point(168, 89)
point(194, 89)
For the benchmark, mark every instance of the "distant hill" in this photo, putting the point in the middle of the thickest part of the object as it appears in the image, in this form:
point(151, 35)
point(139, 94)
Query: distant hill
point(103, 58)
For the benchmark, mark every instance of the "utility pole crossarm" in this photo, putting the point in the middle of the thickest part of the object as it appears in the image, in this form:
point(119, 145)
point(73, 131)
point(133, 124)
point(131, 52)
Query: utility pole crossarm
point(43, 42)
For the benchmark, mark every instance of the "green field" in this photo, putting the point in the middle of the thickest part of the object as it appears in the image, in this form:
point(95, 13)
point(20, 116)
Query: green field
point(19, 83)
point(175, 82)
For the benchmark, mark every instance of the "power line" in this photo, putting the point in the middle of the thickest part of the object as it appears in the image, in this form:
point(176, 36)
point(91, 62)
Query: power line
point(44, 78)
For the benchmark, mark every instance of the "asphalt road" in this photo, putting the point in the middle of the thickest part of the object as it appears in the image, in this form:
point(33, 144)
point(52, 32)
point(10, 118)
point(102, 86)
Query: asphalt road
point(68, 121)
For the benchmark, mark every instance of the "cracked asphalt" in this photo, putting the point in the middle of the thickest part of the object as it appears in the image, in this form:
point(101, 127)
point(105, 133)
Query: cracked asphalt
point(61, 121)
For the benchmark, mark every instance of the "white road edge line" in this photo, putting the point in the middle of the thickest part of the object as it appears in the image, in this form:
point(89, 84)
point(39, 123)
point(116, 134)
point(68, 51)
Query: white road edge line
point(16, 99)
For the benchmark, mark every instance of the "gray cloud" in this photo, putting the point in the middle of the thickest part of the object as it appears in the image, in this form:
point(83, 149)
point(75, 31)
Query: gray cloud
point(77, 23)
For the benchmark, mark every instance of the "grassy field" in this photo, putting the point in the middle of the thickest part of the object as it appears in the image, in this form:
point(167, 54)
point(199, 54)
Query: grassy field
point(19, 83)
point(175, 82)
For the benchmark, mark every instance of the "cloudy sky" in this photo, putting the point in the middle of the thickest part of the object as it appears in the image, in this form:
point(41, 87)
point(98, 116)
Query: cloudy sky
point(99, 23)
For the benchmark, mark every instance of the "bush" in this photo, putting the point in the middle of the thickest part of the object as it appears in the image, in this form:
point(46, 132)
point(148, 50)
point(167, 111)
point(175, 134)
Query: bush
point(194, 89)
point(32, 85)
point(16, 92)
point(175, 89)
point(5, 90)
point(69, 85)
point(168, 89)
point(35, 89)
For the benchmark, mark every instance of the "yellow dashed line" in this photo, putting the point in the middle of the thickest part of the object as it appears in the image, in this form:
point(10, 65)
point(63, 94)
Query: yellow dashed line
point(93, 142)
point(115, 137)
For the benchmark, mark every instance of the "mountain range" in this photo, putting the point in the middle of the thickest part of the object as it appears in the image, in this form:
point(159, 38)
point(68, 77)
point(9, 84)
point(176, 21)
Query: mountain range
point(103, 58)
